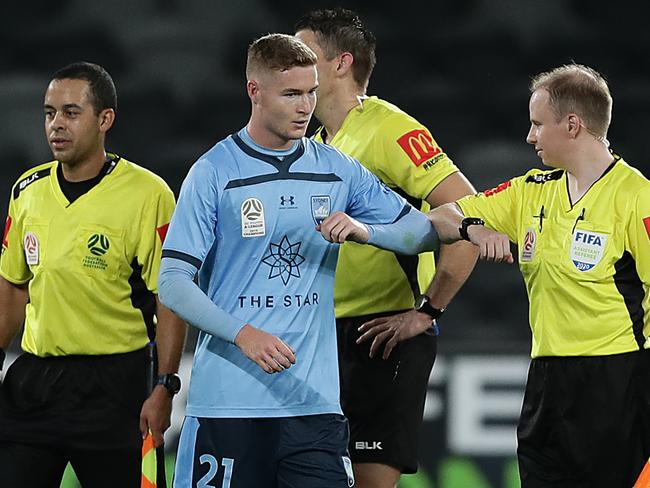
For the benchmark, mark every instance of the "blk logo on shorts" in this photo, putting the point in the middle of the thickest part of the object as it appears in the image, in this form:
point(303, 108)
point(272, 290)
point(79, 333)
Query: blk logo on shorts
point(98, 244)
point(368, 446)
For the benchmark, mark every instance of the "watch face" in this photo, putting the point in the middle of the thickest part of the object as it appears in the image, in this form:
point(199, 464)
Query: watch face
point(170, 381)
point(174, 383)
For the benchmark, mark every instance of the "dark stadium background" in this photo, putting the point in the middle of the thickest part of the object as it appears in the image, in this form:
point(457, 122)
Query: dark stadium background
point(461, 67)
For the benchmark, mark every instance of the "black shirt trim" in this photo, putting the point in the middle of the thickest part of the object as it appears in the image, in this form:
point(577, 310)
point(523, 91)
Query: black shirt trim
point(630, 286)
point(281, 165)
point(28, 180)
point(168, 253)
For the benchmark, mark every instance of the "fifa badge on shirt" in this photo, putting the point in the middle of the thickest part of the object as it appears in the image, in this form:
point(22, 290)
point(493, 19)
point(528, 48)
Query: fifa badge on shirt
point(320, 208)
point(529, 245)
point(252, 218)
point(587, 249)
point(30, 243)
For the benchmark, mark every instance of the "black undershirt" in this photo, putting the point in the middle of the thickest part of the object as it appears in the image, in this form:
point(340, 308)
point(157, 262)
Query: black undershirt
point(74, 189)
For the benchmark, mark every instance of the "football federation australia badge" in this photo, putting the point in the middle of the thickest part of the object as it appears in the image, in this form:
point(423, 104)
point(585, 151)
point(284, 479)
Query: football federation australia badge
point(320, 208)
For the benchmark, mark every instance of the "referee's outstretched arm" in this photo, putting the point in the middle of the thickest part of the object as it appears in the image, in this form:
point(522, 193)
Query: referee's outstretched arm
point(451, 226)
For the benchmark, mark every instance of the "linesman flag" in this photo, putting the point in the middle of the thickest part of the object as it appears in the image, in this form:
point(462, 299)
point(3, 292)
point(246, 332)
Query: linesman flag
point(644, 477)
point(149, 464)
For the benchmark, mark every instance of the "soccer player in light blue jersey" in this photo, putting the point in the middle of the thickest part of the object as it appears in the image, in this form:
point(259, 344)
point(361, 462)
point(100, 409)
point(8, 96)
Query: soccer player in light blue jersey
point(248, 222)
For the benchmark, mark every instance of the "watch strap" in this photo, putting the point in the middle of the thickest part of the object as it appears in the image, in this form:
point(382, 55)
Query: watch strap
point(465, 223)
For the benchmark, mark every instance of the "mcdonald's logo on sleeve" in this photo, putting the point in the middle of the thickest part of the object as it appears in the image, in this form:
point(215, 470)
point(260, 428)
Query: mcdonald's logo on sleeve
point(419, 146)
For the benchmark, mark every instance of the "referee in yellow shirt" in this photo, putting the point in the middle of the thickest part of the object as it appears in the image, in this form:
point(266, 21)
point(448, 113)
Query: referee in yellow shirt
point(79, 266)
point(383, 395)
point(583, 235)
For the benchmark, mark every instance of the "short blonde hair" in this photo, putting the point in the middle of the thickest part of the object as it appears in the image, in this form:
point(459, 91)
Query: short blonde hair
point(278, 52)
point(574, 88)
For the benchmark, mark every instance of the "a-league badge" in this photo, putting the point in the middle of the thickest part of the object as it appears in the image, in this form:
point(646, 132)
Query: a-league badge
point(320, 208)
point(30, 243)
point(528, 246)
point(587, 249)
point(252, 218)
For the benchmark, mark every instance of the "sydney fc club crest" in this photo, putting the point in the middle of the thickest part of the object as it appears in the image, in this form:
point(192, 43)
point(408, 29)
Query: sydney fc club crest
point(320, 208)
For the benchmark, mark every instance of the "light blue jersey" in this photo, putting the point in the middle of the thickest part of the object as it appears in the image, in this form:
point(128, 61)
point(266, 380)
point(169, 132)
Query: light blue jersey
point(246, 219)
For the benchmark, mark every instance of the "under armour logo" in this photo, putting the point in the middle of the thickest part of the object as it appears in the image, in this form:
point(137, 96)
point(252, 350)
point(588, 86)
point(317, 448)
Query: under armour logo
point(287, 200)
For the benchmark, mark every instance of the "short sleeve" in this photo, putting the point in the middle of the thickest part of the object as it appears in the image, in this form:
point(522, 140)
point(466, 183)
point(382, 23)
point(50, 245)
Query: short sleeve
point(193, 227)
point(498, 207)
point(153, 230)
point(13, 266)
point(412, 159)
point(638, 234)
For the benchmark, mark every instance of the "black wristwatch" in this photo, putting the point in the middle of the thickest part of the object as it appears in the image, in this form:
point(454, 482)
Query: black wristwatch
point(422, 305)
point(170, 381)
point(465, 223)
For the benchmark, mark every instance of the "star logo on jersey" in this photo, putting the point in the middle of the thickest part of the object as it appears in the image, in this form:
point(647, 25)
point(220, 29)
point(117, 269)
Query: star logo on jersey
point(284, 260)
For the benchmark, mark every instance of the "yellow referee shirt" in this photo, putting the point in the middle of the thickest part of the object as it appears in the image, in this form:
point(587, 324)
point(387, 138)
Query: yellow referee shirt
point(404, 155)
point(92, 265)
point(586, 265)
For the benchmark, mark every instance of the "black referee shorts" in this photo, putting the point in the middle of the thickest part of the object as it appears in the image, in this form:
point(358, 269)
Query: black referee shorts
point(79, 409)
point(384, 399)
point(585, 421)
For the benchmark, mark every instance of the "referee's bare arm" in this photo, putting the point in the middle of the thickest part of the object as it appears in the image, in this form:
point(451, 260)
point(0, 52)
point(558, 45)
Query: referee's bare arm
point(493, 245)
point(171, 332)
point(13, 300)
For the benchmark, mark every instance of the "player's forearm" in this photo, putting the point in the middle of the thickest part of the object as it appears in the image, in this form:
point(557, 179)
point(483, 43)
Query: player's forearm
point(454, 266)
point(178, 292)
point(13, 300)
point(171, 332)
point(411, 234)
point(447, 220)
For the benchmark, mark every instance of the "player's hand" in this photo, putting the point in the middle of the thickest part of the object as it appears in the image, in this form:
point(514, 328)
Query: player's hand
point(392, 330)
point(493, 245)
point(340, 227)
point(155, 415)
point(268, 351)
